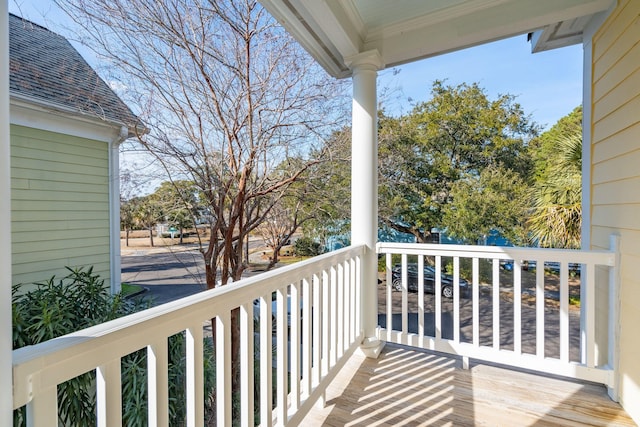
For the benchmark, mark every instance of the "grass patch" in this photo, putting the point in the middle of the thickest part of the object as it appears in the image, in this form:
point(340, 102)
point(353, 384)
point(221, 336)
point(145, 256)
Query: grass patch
point(128, 289)
point(286, 260)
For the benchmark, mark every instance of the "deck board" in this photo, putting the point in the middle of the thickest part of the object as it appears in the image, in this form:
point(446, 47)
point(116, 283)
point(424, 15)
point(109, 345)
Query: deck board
point(411, 387)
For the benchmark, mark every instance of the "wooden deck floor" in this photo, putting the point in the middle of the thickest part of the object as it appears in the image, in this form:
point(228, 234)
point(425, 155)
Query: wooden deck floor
point(409, 387)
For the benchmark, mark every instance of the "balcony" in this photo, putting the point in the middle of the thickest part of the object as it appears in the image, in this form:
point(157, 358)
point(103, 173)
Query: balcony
point(491, 329)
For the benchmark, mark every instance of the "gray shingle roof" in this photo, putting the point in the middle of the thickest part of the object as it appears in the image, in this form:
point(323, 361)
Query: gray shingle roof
point(45, 66)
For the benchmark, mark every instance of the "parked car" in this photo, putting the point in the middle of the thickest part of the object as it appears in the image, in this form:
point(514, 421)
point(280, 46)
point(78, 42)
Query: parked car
point(551, 266)
point(429, 281)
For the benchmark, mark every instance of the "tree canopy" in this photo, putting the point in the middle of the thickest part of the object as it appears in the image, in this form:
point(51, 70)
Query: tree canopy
point(556, 219)
point(449, 161)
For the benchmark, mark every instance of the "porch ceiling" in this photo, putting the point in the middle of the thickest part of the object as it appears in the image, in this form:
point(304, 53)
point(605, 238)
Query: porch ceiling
point(407, 30)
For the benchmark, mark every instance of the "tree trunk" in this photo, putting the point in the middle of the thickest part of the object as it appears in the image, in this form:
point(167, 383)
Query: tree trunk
point(151, 236)
point(274, 258)
point(126, 237)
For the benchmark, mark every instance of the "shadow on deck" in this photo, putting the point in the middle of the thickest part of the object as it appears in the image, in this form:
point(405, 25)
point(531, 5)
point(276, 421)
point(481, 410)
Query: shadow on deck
point(407, 386)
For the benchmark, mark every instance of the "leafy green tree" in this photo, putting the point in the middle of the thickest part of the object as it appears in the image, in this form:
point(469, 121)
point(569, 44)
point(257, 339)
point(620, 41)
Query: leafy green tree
point(147, 214)
point(496, 200)
point(439, 163)
point(179, 202)
point(127, 217)
point(326, 190)
point(556, 220)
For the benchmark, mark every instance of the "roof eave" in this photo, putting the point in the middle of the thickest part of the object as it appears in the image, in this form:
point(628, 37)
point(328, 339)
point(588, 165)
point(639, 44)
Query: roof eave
point(63, 110)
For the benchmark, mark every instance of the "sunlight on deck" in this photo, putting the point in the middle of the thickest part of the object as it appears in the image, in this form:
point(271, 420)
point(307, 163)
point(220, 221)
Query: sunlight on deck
point(406, 386)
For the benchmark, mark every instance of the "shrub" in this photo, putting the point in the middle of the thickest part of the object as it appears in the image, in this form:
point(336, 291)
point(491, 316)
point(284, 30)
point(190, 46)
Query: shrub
point(79, 300)
point(306, 246)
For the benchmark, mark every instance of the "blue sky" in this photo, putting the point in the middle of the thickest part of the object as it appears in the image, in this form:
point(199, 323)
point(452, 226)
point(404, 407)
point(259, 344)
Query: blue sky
point(548, 85)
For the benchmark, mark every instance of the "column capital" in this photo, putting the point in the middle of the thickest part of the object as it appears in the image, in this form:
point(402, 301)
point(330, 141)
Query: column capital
point(371, 60)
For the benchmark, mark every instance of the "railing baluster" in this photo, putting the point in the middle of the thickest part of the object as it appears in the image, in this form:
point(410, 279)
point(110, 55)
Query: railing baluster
point(358, 297)
point(42, 410)
point(590, 316)
point(564, 312)
point(246, 367)
point(341, 312)
point(306, 336)
point(266, 361)
point(405, 297)
point(348, 313)
point(496, 304)
point(389, 307)
point(353, 285)
point(540, 303)
point(109, 394)
point(294, 342)
point(333, 323)
point(438, 295)
point(158, 381)
point(475, 302)
point(281, 356)
point(517, 307)
point(456, 299)
point(326, 317)
point(421, 300)
point(223, 369)
point(317, 332)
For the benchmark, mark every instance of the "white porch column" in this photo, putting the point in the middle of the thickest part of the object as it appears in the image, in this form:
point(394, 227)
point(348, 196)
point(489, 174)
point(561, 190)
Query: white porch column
point(6, 342)
point(364, 188)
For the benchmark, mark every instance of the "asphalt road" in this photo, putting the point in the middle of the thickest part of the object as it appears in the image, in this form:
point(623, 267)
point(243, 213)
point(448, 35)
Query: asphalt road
point(167, 276)
point(506, 326)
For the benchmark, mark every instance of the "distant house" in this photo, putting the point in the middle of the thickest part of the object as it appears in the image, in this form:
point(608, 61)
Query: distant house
point(65, 128)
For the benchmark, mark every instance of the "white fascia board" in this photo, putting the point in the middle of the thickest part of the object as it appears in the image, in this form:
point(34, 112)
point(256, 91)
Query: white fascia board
point(304, 29)
point(53, 118)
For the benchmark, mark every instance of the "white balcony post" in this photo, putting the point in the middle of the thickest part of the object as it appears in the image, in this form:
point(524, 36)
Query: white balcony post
point(6, 394)
point(364, 186)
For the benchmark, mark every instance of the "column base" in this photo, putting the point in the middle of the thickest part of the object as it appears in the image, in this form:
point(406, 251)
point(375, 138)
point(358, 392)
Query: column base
point(371, 347)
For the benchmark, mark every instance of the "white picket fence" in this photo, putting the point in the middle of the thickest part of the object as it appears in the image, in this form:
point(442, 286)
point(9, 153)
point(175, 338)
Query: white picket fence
point(498, 322)
point(314, 340)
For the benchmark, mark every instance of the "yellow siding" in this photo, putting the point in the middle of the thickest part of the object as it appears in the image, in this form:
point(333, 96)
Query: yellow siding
point(59, 204)
point(615, 178)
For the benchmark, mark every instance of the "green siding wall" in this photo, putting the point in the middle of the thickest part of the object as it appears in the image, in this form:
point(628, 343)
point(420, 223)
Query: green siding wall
point(59, 204)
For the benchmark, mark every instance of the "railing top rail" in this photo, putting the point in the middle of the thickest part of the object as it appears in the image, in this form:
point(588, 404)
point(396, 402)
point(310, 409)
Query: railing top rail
point(74, 354)
point(500, 252)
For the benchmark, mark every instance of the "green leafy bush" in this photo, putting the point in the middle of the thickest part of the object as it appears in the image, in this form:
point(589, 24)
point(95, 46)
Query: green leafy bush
point(60, 306)
point(306, 246)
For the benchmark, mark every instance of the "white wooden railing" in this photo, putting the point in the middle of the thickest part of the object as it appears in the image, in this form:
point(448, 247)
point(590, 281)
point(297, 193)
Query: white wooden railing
point(499, 322)
point(327, 288)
